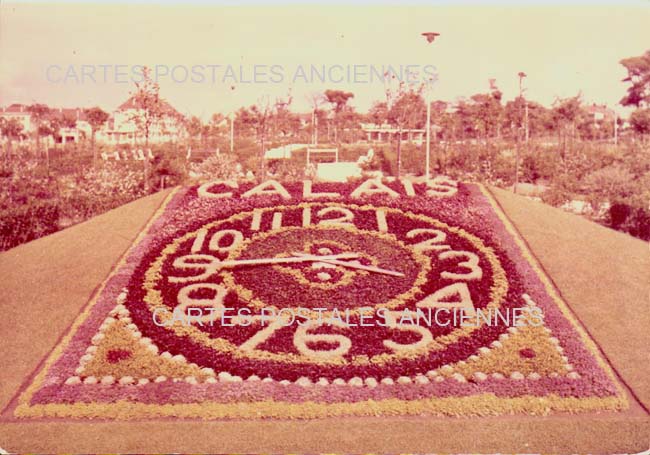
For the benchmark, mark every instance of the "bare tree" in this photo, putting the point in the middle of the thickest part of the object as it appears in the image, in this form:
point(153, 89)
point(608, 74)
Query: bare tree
point(150, 108)
point(149, 113)
point(316, 100)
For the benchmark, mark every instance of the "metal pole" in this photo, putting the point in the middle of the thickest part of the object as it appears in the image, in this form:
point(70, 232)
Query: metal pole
point(232, 134)
point(526, 119)
point(428, 156)
point(521, 98)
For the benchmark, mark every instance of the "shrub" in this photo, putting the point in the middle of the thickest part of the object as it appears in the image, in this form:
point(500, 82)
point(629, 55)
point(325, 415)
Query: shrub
point(633, 220)
point(27, 222)
point(217, 167)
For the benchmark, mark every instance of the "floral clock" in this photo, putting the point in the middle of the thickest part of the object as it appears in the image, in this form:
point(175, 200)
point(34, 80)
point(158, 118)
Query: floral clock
point(303, 300)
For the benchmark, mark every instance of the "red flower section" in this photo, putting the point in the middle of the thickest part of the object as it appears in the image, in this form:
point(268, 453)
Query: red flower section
point(115, 355)
point(527, 353)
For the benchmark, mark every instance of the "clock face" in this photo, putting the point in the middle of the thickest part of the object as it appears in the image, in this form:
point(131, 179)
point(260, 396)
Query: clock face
point(251, 306)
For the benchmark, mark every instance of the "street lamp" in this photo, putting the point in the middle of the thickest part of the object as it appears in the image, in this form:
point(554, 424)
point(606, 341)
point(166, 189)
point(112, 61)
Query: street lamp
point(430, 37)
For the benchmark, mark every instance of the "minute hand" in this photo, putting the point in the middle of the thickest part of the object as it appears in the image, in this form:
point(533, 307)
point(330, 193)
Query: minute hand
point(288, 260)
point(351, 265)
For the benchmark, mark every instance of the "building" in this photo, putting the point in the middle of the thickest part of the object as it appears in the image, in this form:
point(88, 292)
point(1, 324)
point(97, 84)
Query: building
point(65, 133)
point(601, 112)
point(122, 126)
point(387, 133)
point(79, 131)
point(20, 113)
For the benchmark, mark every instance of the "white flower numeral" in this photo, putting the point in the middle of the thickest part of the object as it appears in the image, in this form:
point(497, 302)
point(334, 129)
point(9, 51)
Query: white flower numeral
point(187, 302)
point(216, 240)
point(404, 321)
point(265, 333)
point(302, 338)
point(432, 244)
point(471, 263)
point(442, 298)
point(207, 264)
point(345, 215)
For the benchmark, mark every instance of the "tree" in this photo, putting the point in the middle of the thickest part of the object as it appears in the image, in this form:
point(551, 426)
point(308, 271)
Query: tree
point(638, 75)
point(40, 114)
point(150, 111)
point(487, 112)
point(256, 118)
point(150, 108)
point(465, 120)
point(640, 121)
point(566, 113)
point(338, 99)
point(540, 120)
point(378, 113)
point(407, 112)
point(10, 129)
point(194, 129)
point(284, 122)
point(96, 117)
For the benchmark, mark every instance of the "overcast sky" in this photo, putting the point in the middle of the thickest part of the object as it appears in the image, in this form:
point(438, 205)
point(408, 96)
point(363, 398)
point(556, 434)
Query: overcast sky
point(563, 49)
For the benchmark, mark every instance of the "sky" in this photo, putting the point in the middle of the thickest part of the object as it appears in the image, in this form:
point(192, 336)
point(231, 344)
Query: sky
point(89, 53)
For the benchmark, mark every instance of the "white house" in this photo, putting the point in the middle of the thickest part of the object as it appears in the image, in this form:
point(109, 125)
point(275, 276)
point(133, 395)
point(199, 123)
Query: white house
point(122, 127)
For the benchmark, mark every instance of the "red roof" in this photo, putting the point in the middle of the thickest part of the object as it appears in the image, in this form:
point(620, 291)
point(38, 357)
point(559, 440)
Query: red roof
point(15, 108)
point(166, 107)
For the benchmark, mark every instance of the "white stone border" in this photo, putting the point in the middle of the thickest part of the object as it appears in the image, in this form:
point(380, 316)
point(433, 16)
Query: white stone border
point(121, 313)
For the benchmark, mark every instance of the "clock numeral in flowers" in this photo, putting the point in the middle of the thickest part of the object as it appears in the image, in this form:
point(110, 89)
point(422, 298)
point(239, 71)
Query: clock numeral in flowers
point(382, 224)
point(471, 263)
point(186, 301)
point(405, 321)
point(442, 298)
point(215, 240)
point(432, 244)
point(345, 217)
point(306, 217)
point(302, 338)
point(207, 264)
point(256, 220)
point(265, 333)
point(197, 245)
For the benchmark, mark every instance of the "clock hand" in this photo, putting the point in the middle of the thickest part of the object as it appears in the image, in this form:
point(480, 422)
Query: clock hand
point(352, 265)
point(288, 260)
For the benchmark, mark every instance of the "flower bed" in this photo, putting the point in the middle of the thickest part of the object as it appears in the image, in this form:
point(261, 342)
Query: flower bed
point(211, 314)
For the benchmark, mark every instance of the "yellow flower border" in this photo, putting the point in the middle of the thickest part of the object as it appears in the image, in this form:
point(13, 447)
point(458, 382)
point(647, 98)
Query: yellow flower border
point(477, 405)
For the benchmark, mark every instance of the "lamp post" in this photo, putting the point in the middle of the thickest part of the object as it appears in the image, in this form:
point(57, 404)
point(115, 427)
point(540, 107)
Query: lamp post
point(428, 152)
point(430, 37)
point(231, 116)
point(521, 75)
